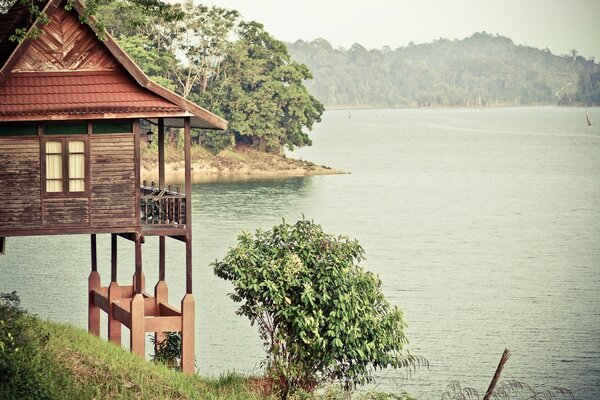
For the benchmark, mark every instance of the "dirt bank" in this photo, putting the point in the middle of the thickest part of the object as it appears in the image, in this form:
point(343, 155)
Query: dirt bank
point(229, 165)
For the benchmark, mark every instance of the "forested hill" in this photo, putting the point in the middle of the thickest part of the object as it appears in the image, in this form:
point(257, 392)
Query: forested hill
point(481, 70)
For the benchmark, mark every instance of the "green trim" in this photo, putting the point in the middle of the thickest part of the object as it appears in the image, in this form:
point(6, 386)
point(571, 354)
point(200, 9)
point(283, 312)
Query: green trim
point(66, 129)
point(100, 128)
point(19, 130)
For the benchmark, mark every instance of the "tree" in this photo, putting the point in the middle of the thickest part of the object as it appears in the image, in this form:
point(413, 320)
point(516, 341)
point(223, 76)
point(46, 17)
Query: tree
point(260, 91)
point(201, 38)
point(320, 316)
point(92, 9)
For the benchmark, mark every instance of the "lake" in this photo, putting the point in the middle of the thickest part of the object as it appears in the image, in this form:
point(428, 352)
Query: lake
point(484, 226)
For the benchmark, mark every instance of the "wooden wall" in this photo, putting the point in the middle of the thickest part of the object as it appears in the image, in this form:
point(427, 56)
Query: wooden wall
point(111, 202)
point(112, 184)
point(20, 197)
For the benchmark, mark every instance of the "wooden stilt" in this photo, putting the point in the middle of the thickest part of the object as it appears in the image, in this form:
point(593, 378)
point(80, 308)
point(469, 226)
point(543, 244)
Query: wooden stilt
point(93, 284)
point(188, 313)
point(114, 294)
point(137, 339)
point(161, 290)
point(139, 280)
point(142, 282)
point(188, 304)
point(114, 326)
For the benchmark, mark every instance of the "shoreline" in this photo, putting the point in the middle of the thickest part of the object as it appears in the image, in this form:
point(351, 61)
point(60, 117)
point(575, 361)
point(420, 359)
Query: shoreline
point(234, 165)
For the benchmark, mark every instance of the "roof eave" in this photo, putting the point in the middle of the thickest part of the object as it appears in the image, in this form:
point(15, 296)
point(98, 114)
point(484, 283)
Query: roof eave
point(209, 119)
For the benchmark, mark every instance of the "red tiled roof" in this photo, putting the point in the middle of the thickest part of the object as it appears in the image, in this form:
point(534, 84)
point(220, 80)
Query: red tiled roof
point(38, 93)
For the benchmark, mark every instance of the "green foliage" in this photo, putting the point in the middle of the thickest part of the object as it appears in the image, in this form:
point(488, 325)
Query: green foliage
point(168, 351)
point(506, 390)
point(229, 66)
point(48, 361)
point(23, 373)
point(320, 316)
point(481, 70)
point(215, 141)
point(261, 92)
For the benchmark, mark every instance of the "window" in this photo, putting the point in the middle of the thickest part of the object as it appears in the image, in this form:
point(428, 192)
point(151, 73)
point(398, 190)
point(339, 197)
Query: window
point(54, 162)
point(65, 165)
point(76, 166)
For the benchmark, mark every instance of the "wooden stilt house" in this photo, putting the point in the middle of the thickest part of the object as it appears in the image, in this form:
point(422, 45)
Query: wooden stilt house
point(70, 112)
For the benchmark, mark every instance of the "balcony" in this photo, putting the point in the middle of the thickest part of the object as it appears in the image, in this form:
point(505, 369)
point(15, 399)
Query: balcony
point(161, 209)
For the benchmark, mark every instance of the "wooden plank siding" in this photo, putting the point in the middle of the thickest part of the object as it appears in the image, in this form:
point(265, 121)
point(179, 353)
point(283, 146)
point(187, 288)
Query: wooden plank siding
point(111, 202)
point(112, 169)
point(63, 212)
point(20, 183)
point(67, 45)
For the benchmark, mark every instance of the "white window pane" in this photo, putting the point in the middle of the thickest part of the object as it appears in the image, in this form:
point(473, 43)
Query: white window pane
point(76, 185)
point(53, 166)
point(76, 166)
point(53, 147)
point(54, 186)
point(76, 146)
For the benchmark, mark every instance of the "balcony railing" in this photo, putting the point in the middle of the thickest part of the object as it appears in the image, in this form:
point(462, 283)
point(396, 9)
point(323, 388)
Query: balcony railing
point(162, 207)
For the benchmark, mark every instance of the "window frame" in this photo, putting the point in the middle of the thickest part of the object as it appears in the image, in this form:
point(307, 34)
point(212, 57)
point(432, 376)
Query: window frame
point(65, 139)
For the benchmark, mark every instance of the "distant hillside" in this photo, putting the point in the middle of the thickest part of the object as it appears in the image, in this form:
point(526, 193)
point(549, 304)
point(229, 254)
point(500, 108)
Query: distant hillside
point(482, 70)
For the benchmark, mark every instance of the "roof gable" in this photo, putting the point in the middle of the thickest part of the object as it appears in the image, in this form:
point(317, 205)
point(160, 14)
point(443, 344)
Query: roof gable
point(65, 45)
point(69, 47)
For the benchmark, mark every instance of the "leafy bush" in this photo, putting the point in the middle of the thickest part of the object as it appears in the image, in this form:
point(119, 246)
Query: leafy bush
point(215, 141)
point(23, 372)
point(320, 316)
point(168, 351)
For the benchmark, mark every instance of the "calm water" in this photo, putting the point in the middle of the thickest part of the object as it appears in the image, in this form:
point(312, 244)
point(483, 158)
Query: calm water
point(484, 226)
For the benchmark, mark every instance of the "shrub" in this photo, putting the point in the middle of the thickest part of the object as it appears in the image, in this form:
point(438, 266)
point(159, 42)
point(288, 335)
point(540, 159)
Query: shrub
point(168, 350)
point(320, 316)
point(23, 361)
point(215, 141)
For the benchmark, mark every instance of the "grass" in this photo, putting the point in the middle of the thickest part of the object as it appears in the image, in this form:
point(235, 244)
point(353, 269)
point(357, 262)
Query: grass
point(45, 360)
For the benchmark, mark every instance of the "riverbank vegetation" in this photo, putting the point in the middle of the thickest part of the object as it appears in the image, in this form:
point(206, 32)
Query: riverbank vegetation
point(41, 360)
point(232, 67)
point(44, 360)
point(482, 70)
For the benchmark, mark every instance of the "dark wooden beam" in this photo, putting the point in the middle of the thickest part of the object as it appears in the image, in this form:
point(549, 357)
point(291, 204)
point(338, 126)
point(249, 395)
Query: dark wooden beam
point(188, 205)
point(181, 238)
point(113, 257)
point(137, 160)
point(161, 153)
point(94, 253)
point(161, 258)
point(138, 266)
point(2, 246)
point(131, 236)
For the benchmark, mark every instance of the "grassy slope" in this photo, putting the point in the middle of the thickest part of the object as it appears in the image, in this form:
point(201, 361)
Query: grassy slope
point(76, 365)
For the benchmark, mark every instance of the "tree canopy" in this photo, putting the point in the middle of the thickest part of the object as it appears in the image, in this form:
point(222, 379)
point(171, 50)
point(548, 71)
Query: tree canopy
point(481, 70)
point(230, 66)
point(321, 316)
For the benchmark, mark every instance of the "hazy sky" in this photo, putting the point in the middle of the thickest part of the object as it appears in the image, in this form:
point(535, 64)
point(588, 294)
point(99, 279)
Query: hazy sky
point(560, 25)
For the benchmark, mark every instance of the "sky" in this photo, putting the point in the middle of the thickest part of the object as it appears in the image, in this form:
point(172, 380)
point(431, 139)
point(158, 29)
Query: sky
point(560, 25)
